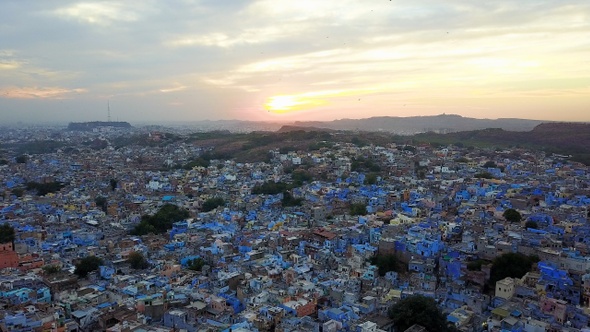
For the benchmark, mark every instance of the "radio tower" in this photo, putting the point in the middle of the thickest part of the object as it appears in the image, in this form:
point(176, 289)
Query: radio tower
point(109, 110)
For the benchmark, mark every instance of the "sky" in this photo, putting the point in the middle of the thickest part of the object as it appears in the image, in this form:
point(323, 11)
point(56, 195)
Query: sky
point(286, 60)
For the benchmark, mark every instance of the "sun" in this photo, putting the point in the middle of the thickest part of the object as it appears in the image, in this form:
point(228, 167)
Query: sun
point(281, 104)
point(290, 103)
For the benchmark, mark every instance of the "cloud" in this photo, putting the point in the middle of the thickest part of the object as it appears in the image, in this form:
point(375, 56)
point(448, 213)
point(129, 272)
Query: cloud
point(232, 55)
point(8, 60)
point(226, 40)
point(174, 89)
point(9, 64)
point(98, 13)
point(38, 92)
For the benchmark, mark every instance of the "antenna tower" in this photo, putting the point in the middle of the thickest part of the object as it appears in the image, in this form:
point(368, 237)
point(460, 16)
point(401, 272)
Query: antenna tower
point(109, 110)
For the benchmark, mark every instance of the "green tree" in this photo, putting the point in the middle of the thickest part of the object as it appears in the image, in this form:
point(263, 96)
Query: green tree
point(269, 188)
point(144, 227)
point(289, 200)
point(51, 269)
point(300, 176)
point(371, 178)
point(490, 164)
point(22, 159)
point(160, 222)
point(358, 142)
point(409, 148)
point(137, 261)
point(113, 183)
point(513, 265)
point(476, 264)
point(386, 263)
point(7, 233)
point(484, 175)
point(196, 264)
point(286, 149)
point(418, 309)
point(45, 188)
point(101, 202)
point(212, 203)
point(87, 265)
point(512, 215)
point(358, 209)
point(18, 192)
point(199, 162)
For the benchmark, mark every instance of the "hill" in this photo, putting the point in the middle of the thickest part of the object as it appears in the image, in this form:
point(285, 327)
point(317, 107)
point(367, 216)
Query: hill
point(444, 123)
point(559, 138)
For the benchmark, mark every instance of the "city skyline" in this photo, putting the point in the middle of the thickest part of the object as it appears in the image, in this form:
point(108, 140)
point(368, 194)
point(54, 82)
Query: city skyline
point(284, 61)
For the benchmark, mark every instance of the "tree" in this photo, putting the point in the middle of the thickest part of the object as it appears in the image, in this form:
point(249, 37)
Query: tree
point(269, 188)
point(51, 269)
point(87, 265)
point(513, 265)
point(196, 264)
point(46, 187)
point(101, 202)
point(160, 222)
point(409, 148)
point(300, 176)
point(137, 261)
point(386, 263)
point(199, 162)
point(476, 264)
point(212, 203)
point(144, 227)
point(7, 233)
point(512, 215)
point(418, 309)
point(490, 164)
point(484, 175)
point(358, 142)
point(371, 178)
point(22, 159)
point(18, 192)
point(113, 184)
point(289, 200)
point(358, 209)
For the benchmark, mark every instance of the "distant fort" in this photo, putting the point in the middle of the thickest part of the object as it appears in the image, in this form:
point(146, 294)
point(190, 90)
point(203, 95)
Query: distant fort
point(88, 126)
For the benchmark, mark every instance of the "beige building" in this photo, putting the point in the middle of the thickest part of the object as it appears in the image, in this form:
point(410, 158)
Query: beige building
point(505, 288)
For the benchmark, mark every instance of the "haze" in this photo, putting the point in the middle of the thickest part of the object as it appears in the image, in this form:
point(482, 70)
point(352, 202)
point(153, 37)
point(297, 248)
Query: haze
point(284, 60)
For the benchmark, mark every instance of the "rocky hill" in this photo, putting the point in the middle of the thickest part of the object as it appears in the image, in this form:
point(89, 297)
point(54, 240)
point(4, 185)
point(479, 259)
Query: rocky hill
point(560, 138)
point(444, 123)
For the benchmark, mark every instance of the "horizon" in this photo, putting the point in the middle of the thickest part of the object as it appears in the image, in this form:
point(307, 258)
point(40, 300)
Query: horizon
point(273, 122)
point(281, 61)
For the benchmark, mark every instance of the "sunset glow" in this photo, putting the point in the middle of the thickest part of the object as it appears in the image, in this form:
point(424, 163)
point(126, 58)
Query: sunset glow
point(280, 59)
point(285, 104)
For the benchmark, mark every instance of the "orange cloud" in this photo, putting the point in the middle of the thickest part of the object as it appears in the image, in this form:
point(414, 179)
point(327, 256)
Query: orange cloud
point(37, 93)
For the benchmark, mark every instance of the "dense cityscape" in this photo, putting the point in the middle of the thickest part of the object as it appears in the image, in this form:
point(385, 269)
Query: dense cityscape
point(294, 166)
point(113, 228)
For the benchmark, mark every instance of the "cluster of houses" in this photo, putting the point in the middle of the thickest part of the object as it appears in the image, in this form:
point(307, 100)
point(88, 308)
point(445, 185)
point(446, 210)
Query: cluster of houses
point(266, 267)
